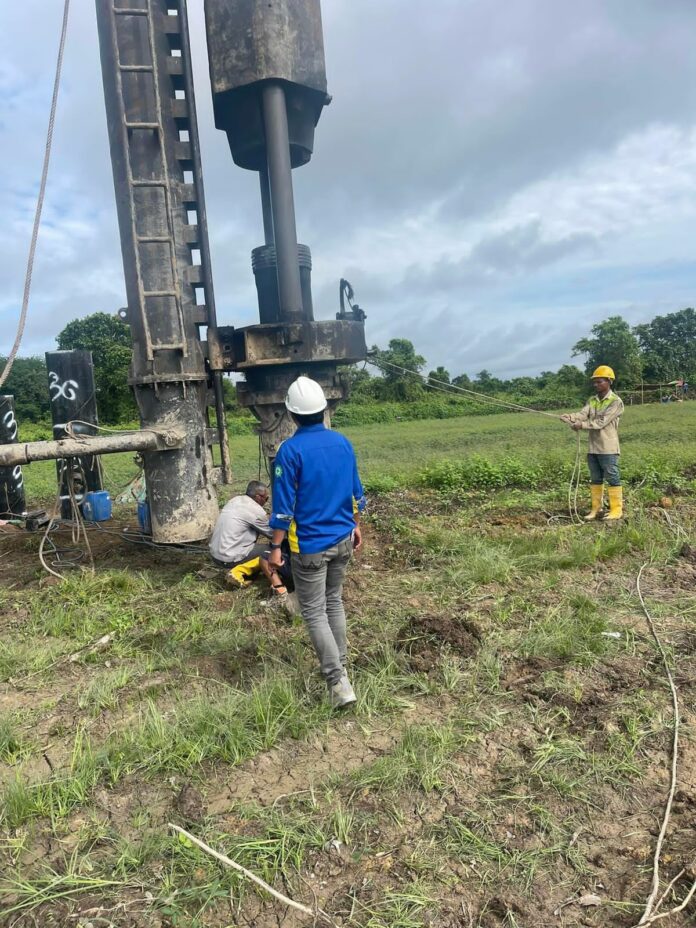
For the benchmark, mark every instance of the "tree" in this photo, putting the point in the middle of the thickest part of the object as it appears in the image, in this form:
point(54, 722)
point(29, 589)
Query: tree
point(462, 380)
point(668, 344)
point(612, 343)
point(109, 341)
point(486, 383)
point(401, 381)
point(441, 377)
point(521, 386)
point(28, 383)
point(571, 376)
point(362, 386)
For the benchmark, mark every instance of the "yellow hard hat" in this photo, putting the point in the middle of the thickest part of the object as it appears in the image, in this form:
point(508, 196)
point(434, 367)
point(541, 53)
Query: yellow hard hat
point(604, 371)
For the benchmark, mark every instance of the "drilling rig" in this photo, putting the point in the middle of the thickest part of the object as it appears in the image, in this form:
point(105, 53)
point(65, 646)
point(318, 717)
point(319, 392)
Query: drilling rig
point(268, 81)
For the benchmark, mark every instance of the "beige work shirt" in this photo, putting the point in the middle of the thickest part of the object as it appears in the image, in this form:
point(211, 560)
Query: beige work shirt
point(601, 419)
point(234, 535)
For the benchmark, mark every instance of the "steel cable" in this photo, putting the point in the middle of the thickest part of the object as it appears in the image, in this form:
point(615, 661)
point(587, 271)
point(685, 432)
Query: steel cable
point(444, 387)
point(39, 203)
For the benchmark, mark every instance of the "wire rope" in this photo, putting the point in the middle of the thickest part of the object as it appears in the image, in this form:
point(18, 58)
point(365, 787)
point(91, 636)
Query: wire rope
point(39, 202)
point(449, 387)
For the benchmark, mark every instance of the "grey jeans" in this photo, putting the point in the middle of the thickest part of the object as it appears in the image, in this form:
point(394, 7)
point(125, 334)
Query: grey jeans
point(319, 586)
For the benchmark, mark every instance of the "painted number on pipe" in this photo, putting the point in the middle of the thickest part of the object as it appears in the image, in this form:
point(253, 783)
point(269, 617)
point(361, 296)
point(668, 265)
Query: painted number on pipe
point(10, 423)
point(68, 389)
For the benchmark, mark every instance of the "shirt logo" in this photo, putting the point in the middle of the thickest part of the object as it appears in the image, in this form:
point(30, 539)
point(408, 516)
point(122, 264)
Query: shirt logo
point(278, 470)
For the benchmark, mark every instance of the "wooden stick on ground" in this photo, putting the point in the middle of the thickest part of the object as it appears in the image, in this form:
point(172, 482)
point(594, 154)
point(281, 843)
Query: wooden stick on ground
point(247, 873)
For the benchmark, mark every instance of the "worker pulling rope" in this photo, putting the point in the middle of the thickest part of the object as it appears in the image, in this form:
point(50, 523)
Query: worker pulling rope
point(39, 202)
point(601, 412)
point(441, 386)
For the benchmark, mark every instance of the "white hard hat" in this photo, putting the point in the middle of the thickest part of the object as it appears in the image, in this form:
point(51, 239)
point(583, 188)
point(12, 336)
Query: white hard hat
point(305, 397)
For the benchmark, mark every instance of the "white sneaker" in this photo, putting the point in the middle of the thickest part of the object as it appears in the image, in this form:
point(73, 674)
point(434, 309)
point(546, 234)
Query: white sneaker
point(341, 694)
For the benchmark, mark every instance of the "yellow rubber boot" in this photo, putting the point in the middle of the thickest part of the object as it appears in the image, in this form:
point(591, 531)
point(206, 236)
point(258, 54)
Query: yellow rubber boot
point(597, 492)
point(240, 576)
point(615, 504)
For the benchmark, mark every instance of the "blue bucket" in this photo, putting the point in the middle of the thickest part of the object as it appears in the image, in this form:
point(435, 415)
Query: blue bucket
point(96, 506)
point(144, 522)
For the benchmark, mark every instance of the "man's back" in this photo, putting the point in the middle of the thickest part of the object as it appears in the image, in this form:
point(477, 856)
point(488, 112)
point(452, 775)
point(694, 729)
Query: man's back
point(236, 529)
point(317, 484)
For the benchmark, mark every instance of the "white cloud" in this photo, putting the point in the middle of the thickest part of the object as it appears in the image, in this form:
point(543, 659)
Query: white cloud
point(490, 185)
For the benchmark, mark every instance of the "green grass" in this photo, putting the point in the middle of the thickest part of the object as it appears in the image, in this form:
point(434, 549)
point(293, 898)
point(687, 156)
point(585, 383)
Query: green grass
point(472, 838)
point(511, 449)
point(14, 744)
point(420, 761)
point(480, 765)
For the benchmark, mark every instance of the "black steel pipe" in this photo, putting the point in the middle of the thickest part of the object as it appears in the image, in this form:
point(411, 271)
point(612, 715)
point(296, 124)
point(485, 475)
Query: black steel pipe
point(266, 206)
point(275, 119)
point(12, 498)
point(73, 396)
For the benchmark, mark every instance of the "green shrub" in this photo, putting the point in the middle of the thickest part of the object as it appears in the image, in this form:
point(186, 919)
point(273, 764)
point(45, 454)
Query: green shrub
point(477, 473)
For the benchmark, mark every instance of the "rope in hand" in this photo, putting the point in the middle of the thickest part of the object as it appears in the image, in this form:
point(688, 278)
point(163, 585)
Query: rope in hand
point(39, 202)
point(574, 488)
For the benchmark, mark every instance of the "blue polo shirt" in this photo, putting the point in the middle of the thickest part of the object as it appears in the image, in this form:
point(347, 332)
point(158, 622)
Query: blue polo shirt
point(316, 489)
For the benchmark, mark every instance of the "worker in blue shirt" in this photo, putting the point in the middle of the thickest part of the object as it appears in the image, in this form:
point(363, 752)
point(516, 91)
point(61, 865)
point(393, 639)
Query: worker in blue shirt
point(317, 501)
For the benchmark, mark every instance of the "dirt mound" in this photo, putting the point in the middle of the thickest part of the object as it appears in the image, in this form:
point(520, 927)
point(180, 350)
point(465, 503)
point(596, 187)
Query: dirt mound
point(422, 637)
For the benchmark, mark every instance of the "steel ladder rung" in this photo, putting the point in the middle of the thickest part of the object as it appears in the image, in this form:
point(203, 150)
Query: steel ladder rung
point(143, 125)
point(147, 293)
point(124, 11)
point(147, 68)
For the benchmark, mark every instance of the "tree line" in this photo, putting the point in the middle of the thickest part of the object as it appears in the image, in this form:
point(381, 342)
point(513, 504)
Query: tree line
point(658, 351)
point(655, 352)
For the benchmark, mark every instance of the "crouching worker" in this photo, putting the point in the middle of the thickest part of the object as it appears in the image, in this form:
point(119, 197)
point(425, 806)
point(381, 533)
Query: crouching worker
point(600, 417)
point(317, 500)
point(234, 542)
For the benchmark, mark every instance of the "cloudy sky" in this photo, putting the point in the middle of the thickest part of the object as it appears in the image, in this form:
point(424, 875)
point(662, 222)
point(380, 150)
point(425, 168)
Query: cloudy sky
point(493, 176)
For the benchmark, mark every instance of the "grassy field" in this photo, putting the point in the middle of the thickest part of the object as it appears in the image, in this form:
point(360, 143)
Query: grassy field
point(509, 753)
point(658, 443)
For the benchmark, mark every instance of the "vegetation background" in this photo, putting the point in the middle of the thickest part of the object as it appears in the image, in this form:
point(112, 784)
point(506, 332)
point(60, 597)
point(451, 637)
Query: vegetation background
point(646, 359)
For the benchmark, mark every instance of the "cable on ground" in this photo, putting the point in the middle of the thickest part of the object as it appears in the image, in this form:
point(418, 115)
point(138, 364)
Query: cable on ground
point(78, 530)
point(650, 913)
